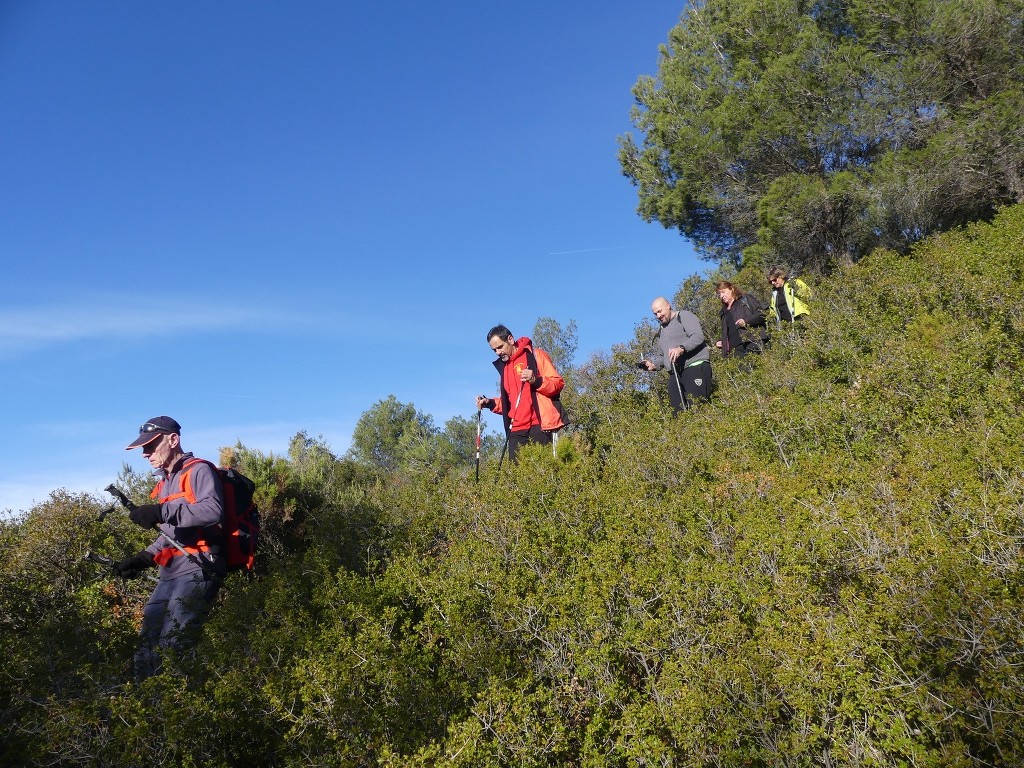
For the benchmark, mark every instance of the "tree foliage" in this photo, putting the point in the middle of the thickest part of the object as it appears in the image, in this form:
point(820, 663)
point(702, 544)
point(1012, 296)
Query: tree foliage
point(387, 432)
point(812, 132)
point(395, 437)
point(558, 341)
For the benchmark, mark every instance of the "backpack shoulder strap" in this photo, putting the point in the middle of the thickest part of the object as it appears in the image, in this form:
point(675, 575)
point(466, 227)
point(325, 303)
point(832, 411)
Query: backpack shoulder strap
point(556, 400)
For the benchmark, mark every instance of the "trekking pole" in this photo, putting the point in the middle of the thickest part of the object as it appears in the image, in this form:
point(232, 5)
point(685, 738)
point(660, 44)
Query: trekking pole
point(479, 411)
point(682, 398)
point(503, 449)
point(131, 507)
point(109, 561)
point(116, 492)
point(101, 559)
point(508, 431)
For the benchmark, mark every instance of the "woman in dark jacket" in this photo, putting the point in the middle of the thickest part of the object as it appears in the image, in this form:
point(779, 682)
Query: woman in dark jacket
point(744, 328)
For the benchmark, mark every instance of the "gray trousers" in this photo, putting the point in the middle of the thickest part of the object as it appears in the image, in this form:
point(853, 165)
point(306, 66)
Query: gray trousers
point(172, 617)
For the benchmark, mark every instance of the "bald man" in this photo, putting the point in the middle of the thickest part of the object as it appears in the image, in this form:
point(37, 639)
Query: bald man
point(683, 351)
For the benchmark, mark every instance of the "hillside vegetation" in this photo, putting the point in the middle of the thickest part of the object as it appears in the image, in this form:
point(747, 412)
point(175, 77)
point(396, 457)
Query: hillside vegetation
point(821, 567)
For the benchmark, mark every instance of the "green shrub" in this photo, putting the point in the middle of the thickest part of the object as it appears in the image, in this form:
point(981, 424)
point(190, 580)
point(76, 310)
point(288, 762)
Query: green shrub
point(822, 566)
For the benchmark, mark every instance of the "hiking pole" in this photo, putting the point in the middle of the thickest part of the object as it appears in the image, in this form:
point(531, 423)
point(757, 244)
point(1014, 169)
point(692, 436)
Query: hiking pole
point(682, 398)
point(131, 507)
point(508, 430)
point(109, 561)
point(101, 559)
point(116, 492)
point(503, 449)
point(479, 411)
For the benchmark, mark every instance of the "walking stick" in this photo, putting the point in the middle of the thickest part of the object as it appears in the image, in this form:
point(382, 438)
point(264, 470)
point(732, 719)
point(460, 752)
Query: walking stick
point(108, 562)
point(478, 412)
point(128, 504)
point(682, 398)
point(508, 431)
point(503, 449)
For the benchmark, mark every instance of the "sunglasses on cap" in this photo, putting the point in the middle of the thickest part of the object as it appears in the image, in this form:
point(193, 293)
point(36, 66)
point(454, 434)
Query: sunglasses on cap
point(151, 427)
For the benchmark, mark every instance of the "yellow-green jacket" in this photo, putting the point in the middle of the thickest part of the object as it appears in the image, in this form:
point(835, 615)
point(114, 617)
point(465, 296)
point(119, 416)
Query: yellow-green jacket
point(795, 291)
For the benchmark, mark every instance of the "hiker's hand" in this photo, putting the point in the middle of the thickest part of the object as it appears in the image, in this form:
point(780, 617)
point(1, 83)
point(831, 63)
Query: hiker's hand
point(741, 322)
point(131, 567)
point(484, 402)
point(674, 353)
point(147, 515)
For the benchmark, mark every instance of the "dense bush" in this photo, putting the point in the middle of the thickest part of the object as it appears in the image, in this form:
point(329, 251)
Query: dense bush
point(820, 567)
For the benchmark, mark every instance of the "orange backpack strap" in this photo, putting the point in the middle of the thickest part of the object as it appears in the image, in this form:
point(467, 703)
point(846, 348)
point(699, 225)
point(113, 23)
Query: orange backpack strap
point(165, 555)
point(186, 492)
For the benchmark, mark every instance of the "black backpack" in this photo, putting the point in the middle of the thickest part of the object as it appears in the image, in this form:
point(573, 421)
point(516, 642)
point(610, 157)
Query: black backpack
point(241, 524)
point(757, 335)
point(756, 307)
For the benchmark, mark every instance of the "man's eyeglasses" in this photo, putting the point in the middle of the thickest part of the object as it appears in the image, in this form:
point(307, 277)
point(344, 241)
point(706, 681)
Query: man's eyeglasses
point(150, 427)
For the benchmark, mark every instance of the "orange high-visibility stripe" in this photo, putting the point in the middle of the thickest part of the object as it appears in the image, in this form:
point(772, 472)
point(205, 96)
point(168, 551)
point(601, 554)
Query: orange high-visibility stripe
point(186, 492)
point(165, 555)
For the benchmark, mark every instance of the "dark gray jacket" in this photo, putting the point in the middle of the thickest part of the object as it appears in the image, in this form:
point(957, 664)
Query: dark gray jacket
point(192, 513)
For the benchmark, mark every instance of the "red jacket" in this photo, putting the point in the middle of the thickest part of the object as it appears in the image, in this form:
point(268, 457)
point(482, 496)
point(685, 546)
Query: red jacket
point(526, 405)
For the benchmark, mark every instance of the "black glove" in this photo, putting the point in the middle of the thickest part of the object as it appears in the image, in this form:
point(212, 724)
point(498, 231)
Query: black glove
point(487, 403)
point(131, 567)
point(147, 515)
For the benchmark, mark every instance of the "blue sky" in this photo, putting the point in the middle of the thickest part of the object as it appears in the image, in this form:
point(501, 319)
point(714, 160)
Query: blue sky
point(264, 217)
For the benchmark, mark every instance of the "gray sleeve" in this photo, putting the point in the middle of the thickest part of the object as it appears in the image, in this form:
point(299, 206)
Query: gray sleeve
point(658, 358)
point(692, 333)
point(209, 506)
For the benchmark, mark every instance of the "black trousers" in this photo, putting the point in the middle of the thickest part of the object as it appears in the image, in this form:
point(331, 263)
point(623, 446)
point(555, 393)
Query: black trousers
point(518, 439)
point(695, 383)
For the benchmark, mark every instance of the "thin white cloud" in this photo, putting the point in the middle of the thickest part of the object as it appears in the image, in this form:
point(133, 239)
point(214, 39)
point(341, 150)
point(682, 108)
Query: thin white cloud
point(592, 250)
point(25, 329)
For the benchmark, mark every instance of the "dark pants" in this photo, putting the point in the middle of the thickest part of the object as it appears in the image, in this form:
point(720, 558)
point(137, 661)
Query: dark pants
point(172, 617)
point(518, 439)
point(695, 383)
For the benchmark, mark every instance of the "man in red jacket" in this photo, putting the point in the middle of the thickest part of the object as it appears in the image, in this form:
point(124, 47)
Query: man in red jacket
point(530, 386)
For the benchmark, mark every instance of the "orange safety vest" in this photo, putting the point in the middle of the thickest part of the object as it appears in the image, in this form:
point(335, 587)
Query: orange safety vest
point(165, 555)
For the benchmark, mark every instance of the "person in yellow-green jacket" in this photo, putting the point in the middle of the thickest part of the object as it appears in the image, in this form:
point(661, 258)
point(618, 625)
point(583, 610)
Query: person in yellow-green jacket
point(788, 303)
